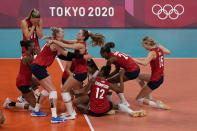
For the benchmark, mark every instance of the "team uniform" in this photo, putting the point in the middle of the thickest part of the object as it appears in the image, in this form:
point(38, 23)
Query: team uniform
point(34, 36)
point(126, 62)
point(80, 70)
point(157, 68)
point(99, 104)
point(23, 80)
point(44, 59)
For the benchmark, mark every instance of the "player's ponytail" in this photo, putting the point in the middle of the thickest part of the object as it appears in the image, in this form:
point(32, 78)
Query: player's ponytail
point(106, 70)
point(107, 47)
point(26, 44)
point(149, 41)
point(97, 39)
point(34, 13)
point(54, 31)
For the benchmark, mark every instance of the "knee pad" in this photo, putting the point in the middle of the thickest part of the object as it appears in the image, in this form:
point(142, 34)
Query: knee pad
point(44, 93)
point(53, 95)
point(140, 100)
point(66, 96)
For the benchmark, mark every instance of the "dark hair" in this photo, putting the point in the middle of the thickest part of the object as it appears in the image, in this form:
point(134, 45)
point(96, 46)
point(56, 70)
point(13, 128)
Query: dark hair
point(106, 47)
point(92, 64)
point(26, 44)
point(34, 13)
point(97, 39)
point(106, 70)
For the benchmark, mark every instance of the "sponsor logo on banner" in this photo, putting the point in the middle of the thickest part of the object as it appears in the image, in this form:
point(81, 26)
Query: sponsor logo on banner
point(168, 11)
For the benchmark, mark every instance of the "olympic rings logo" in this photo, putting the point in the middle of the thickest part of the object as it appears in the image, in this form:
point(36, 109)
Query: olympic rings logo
point(167, 13)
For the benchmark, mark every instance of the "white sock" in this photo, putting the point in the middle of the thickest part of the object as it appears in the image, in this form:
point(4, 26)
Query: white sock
point(122, 98)
point(54, 112)
point(67, 100)
point(124, 108)
point(109, 97)
point(37, 107)
point(153, 104)
point(20, 105)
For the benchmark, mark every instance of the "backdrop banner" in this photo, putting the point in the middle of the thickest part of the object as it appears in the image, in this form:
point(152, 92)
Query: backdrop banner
point(102, 13)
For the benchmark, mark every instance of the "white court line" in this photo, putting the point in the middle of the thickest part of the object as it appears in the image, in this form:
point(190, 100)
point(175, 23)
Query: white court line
point(86, 117)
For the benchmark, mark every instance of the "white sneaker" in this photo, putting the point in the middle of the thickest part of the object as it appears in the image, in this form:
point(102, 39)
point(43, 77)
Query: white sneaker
point(22, 100)
point(6, 103)
point(68, 116)
point(163, 106)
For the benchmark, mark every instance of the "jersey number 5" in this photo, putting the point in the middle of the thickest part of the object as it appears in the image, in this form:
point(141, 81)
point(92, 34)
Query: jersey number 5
point(100, 93)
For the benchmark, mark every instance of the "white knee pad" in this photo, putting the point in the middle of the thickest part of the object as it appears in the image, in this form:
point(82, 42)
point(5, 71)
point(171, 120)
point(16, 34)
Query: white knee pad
point(66, 96)
point(141, 100)
point(45, 93)
point(53, 95)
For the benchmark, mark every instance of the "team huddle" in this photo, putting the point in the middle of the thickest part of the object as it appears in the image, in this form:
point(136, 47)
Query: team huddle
point(95, 97)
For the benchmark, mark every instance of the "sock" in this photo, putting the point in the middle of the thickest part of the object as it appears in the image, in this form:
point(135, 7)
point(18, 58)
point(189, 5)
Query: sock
point(125, 109)
point(21, 105)
point(122, 98)
point(109, 97)
point(37, 107)
point(54, 112)
point(67, 101)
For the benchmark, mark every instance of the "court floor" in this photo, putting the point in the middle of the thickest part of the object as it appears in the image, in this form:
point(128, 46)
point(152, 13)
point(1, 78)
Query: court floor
point(178, 91)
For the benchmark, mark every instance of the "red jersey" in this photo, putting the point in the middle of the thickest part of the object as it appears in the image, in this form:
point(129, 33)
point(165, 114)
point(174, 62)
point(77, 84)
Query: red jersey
point(65, 73)
point(45, 57)
point(81, 64)
point(25, 75)
point(34, 36)
point(157, 65)
point(124, 61)
point(98, 100)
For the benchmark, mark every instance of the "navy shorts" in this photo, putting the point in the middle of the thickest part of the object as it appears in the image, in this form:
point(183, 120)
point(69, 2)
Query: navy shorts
point(25, 89)
point(39, 72)
point(101, 114)
point(80, 77)
point(155, 84)
point(132, 75)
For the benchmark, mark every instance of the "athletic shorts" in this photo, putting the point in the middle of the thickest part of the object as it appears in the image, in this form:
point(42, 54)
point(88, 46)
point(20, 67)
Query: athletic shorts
point(25, 89)
point(101, 114)
point(80, 77)
point(39, 72)
point(155, 84)
point(132, 75)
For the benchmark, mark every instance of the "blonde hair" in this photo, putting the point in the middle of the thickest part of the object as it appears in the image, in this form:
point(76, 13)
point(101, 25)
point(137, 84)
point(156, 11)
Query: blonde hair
point(34, 13)
point(55, 30)
point(149, 41)
point(97, 39)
